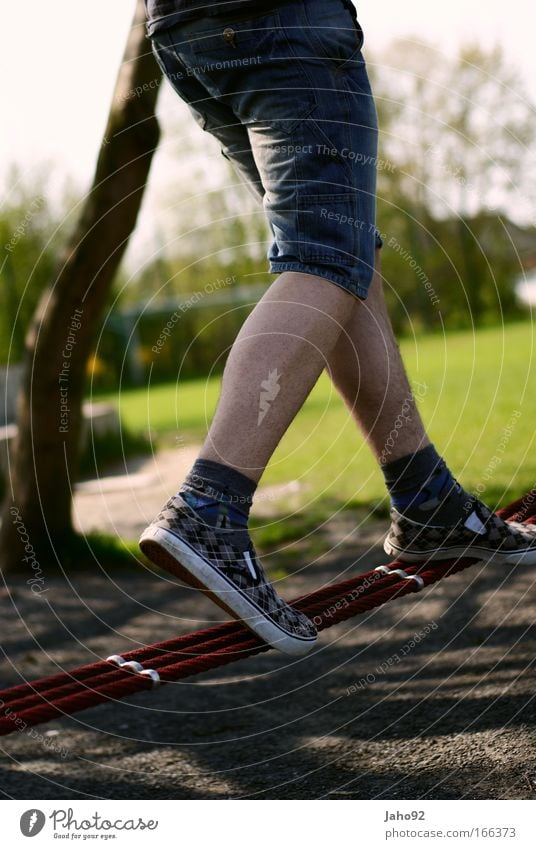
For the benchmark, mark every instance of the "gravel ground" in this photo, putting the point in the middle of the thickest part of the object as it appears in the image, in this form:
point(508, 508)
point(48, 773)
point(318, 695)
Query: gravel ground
point(451, 718)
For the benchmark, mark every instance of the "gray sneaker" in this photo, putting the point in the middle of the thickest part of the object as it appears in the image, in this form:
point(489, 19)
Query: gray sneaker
point(480, 533)
point(225, 565)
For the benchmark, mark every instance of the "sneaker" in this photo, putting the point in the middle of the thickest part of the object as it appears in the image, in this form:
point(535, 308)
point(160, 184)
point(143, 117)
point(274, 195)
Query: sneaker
point(225, 565)
point(480, 534)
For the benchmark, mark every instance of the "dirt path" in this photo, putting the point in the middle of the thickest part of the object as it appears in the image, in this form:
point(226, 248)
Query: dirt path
point(125, 500)
point(454, 717)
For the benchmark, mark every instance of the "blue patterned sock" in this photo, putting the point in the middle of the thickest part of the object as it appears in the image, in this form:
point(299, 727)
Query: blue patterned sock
point(216, 513)
point(423, 489)
point(221, 496)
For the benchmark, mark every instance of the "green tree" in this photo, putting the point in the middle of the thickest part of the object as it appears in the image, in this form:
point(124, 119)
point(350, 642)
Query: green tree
point(457, 137)
point(29, 244)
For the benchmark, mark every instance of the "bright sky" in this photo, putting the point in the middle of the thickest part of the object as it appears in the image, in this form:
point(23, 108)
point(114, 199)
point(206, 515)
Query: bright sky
point(58, 63)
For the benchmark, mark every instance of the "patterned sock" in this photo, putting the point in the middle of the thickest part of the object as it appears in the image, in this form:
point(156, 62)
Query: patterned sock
point(219, 494)
point(423, 489)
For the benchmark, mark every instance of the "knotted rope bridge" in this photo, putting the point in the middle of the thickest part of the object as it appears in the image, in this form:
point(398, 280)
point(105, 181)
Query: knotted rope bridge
point(145, 668)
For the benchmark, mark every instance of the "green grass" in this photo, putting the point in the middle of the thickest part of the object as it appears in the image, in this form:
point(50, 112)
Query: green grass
point(476, 382)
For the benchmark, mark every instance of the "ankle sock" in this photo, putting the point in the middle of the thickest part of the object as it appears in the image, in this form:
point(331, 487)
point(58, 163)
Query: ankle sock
point(221, 495)
point(423, 489)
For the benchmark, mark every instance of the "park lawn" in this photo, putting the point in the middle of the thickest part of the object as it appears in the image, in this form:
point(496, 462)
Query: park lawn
point(472, 386)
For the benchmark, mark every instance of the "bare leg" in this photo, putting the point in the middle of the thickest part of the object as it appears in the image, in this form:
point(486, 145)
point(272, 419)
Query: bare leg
point(274, 363)
point(367, 369)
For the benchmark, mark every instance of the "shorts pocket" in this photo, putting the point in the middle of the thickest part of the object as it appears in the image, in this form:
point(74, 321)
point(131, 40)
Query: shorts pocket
point(249, 67)
point(234, 41)
point(328, 228)
point(334, 32)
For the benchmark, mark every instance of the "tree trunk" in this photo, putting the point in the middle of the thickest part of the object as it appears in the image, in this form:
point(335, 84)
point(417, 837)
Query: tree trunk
point(37, 511)
point(474, 277)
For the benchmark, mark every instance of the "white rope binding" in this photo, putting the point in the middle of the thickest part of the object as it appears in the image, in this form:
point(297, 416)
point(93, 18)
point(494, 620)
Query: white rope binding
point(386, 571)
point(135, 667)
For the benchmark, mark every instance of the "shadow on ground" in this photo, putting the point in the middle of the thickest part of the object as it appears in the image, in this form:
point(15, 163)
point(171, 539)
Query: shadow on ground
point(453, 718)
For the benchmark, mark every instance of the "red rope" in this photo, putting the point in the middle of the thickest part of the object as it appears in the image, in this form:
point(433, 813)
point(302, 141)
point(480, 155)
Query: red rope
point(86, 686)
point(522, 510)
point(179, 645)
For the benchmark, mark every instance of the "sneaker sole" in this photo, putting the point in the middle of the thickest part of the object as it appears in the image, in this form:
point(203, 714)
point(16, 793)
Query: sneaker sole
point(526, 556)
point(176, 556)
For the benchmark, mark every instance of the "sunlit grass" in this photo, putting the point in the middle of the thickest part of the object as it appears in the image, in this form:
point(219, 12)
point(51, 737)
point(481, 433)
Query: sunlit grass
point(477, 384)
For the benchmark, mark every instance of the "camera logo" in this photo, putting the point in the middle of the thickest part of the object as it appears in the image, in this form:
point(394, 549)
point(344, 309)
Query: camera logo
point(32, 822)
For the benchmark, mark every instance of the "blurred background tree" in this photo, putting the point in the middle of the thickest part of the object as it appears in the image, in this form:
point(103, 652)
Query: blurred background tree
point(32, 232)
point(457, 145)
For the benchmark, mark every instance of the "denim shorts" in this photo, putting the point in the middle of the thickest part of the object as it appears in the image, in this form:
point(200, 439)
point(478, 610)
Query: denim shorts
point(287, 95)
